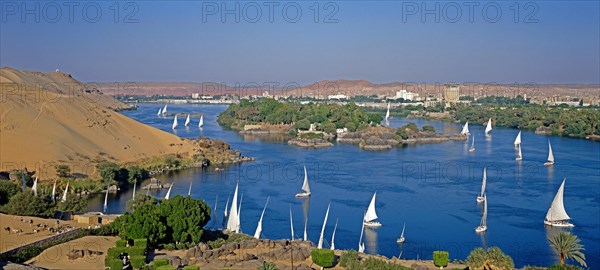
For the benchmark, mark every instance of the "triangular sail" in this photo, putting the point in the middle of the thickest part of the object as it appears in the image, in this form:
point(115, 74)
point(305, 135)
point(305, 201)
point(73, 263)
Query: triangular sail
point(483, 182)
point(333, 235)
point(106, 201)
point(320, 245)
point(226, 206)
point(190, 188)
point(164, 110)
point(134, 184)
point(361, 245)
point(488, 128)
point(232, 222)
point(159, 112)
point(169, 192)
point(518, 139)
point(371, 214)
point(550, 154)
point(465, 129)
point(387, 114)
point(259, 227)
point(291, 223)
point(520, 156)
point(34, 187)
point(53, 196)
point(174, 122)
point(403, 226)
point(187, 121)
point(64, 197)
point(557, 208)
point(305, 185)
point(201, 123)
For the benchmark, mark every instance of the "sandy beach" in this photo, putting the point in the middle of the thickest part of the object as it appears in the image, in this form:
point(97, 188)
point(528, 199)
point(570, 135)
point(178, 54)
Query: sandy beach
point(23, 230)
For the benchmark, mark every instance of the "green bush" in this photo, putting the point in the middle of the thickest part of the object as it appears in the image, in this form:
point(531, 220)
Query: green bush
point(140, 243)
point(27, 253)
point(440, 258)
point(136, 251)
point(121, 243)
point(564, 267)
point(191, 267)
point(166, 267)
point(113, 264)
point(493, 256)
point(378, 264)
point(114, 252)
point(322, 257)
point(217, 243)
point(348, 257)
point(161, 262)
point(138, 261)
point(429, 128)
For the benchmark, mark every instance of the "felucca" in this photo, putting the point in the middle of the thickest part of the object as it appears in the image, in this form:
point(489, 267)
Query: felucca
point(259, 226)
point(518, 139)
point(465, 129)
point(201, 123)
point(371, 214)
point(401, 239)
point(472, 148)
point(187, 121)
point(550, 155)
point(174, 122)
point(233, 221)
point(305, 186)
point(320, 244)
point(169, 192)
point(488, 128)
point(520, 154)
point(557, 215)
point(481, 196)
point(483, 225)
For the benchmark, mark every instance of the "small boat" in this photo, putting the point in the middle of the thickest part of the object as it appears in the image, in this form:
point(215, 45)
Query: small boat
point(34, 186)
point(190, 188)
point(168, 192)
point(401, 239)
point(53, 196)
point(483, 225)
point(305, 186)
point(164, 110)
point(105, 201)
point(371, 214)
point(472, 148)
point(557, 215)
point(187, 121)
point(133, 193)
point(387, 114)
point(550, 155)
point(174, 122)
point(259, 226)
point(518, 139)
point(159, 112)
point(333, 235)
point(320, 244)
point(64, 197)
point(488, 128)
point(481, 196)
point(201, 123)
point(520, 154)
point(361, 245)
point(233, 224)
point(465, 129)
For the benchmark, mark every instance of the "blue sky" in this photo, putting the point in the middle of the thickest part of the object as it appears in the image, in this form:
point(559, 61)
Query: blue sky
point(379, 41)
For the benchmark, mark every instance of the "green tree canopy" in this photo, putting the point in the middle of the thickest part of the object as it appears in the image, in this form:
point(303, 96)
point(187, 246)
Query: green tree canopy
point(73, 204)
point(7, 190)
point(26, 204)
point(63, 170)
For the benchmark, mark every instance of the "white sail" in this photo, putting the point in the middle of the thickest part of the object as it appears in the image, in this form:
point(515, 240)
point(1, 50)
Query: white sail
point(226, 206)
point(402, 234)
point(291, 223)
point(64, 197)
point(34, 187)
point(169, 192)
point(134, 184)
point(387, 114)
point(333, 235)
point(259, 227)
point(187, 121)
point(488, 128)
point(106, 200)
point(232, 221)
point(190, 188)
point(518, 139)
point(520, 155)
point(371, 214)
point(159, 112)
point(465, 129)
point(557, 208)
point(174, 122)
point(305, 238)
point(320, 245)
point(484, 216)
point(550, 154)
point(483, 182)
point(164, 110)
point(201, 123)
point(305, 185)
point(53, 196)
point(361, 245)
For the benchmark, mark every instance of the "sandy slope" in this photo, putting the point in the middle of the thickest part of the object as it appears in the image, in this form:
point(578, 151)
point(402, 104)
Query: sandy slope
point(22, 232)
point(49, 117)
point(56, 257)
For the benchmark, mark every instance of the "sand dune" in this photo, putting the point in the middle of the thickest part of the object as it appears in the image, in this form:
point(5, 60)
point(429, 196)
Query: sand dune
point(49, 118)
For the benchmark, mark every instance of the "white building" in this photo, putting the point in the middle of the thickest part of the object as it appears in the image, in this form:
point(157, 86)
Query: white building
point(338, 96)
point(406, 95)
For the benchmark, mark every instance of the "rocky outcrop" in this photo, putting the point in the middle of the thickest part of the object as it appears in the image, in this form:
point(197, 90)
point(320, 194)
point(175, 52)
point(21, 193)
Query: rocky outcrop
point(310, 143)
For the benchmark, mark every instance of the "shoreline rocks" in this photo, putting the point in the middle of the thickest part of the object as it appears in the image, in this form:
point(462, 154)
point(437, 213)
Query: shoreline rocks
point(310, 143)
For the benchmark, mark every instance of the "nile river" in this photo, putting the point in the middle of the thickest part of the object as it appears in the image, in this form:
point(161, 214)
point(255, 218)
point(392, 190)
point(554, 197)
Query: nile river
point(432, 188)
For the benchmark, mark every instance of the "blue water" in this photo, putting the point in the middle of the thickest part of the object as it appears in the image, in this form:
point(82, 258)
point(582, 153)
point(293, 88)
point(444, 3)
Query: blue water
point(432, 188)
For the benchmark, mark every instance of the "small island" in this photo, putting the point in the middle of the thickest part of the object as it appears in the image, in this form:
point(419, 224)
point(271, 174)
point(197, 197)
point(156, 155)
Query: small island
point(318, 125)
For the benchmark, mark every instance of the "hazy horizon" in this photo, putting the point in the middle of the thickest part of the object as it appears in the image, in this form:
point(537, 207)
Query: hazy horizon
point(382, 42)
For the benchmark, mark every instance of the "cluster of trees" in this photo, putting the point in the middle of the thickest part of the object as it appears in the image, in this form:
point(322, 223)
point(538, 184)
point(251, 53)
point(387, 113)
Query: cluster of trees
point(327, 116)
point(112, 173)
point(15, 201)
point(177, 220)
point(561, 121)
point(410, 130)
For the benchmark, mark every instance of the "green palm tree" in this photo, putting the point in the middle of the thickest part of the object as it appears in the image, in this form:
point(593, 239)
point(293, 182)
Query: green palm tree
point(267, 266)
point(568, 247)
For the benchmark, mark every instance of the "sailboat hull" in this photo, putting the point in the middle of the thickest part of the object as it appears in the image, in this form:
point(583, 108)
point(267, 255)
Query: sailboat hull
point(519, 158)
point(400, 240)
point(302, 195)
point(372, 224)
point(481, 229)
point(559, 223)
point(472, 149)
point(549, 163)
point(480, 199)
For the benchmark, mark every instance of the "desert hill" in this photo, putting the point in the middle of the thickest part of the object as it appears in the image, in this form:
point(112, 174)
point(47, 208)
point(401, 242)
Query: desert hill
point(50, 118)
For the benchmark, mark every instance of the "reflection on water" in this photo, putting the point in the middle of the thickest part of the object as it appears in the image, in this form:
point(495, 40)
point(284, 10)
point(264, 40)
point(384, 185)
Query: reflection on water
point(371, 240)
point(483, 236)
